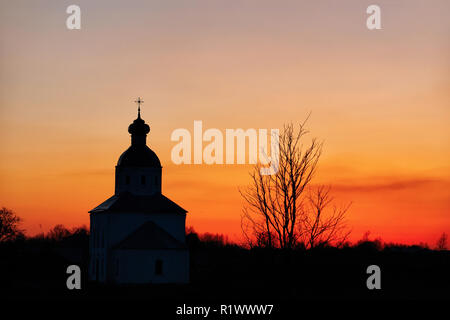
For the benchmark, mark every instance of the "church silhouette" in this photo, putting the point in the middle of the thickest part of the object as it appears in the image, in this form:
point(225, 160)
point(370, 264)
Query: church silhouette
point(138, 235)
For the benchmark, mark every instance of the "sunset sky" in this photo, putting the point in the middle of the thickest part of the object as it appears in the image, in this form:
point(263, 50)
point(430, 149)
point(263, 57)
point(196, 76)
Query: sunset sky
point(380, 101)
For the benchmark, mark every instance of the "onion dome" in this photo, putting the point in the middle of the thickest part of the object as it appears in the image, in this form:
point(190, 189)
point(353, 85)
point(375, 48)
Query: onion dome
point(139, 154)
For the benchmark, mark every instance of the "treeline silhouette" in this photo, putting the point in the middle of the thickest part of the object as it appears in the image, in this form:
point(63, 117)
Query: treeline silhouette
point(211, 240)
point(62, 235)
point(221, 269)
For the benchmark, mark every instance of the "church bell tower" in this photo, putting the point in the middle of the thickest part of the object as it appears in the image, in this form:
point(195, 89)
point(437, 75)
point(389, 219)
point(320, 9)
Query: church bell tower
point(138, 170)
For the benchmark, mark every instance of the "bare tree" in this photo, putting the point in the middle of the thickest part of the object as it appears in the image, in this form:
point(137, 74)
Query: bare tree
point(277, 212)
point(441, 244)
point(9, 225)
point(274, 201)
point(58, 233)
point(322, 225)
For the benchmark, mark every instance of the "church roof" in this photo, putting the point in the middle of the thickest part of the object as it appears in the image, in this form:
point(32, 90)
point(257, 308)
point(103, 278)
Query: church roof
point(127, 202)
point(149, 236)
point(139, 156)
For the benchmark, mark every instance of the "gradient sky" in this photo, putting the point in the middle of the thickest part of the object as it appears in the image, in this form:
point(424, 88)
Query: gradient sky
point(379, 99)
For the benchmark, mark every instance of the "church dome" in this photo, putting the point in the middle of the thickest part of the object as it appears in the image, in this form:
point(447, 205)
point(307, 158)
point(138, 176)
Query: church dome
point(139, 156)
point(139, 127)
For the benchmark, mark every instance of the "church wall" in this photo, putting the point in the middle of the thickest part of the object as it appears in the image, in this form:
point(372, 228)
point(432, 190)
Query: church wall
point(139, 266)
point(109, 229)
point(120, 225)
point(138, 180)
point(98, 248)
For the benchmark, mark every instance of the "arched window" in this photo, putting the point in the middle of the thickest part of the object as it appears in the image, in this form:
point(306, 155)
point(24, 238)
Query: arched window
point(159, 266)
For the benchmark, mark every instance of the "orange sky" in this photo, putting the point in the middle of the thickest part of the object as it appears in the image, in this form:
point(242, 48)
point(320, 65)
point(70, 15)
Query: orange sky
point(379, 99)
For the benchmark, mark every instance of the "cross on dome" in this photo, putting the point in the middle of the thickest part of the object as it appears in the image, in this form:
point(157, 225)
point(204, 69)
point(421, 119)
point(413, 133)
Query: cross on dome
point(139, 101)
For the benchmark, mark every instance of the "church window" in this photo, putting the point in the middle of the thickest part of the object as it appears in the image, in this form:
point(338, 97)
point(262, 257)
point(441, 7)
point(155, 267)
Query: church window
point(158, 266)
point(143, 180)
point(127, 179)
